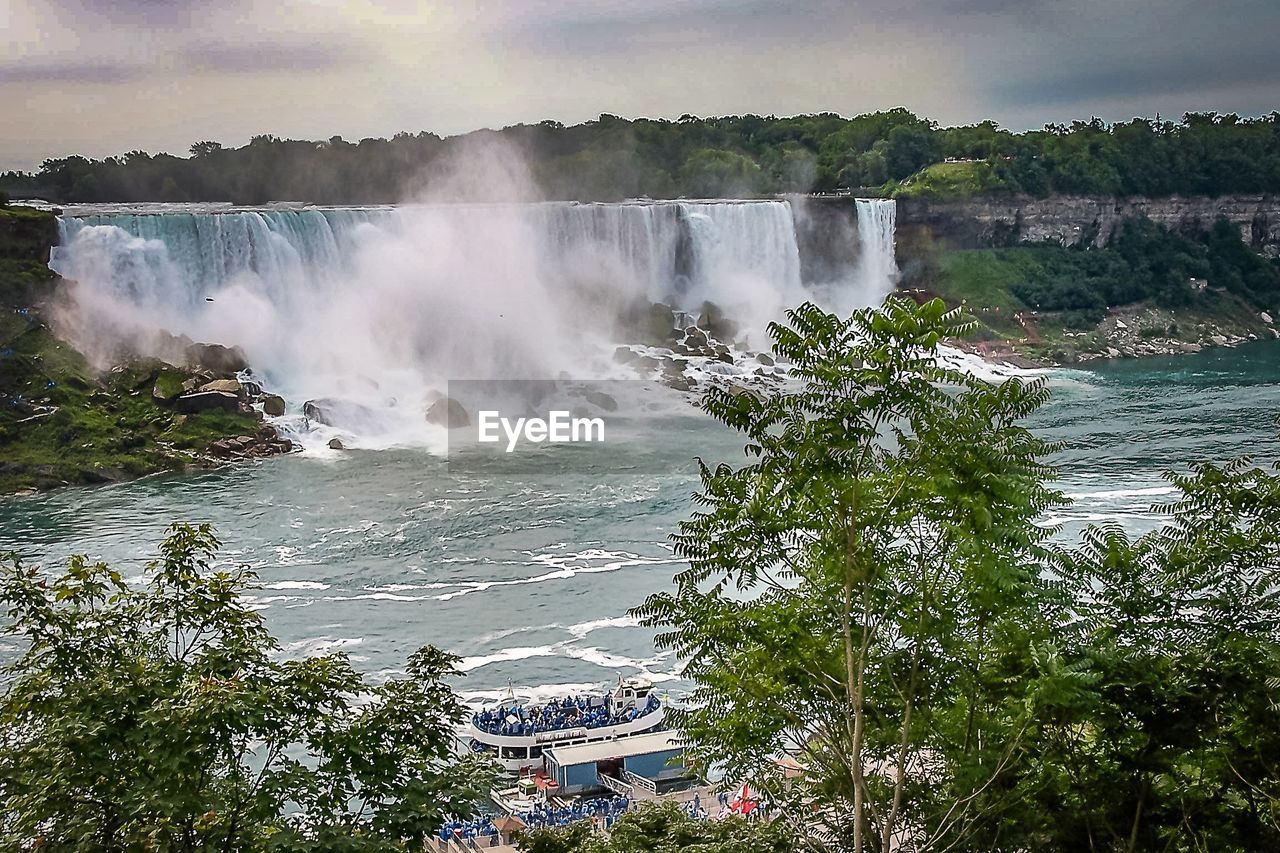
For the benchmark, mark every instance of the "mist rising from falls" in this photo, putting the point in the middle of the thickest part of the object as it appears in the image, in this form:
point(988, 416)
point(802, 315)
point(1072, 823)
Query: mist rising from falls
point(381, 306)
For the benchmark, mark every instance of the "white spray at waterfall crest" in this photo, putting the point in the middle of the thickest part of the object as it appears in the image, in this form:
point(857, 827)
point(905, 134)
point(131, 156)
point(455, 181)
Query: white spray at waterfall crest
point(877, 221)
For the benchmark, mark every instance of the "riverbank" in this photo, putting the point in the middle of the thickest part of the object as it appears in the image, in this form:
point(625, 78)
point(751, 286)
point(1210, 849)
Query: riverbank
point(1010, 292)
point(1134, 331)
point(65, 421)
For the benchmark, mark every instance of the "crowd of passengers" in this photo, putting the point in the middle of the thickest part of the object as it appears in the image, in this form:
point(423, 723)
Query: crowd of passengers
point(573, 712)
point(604, 810)
point(469, 830)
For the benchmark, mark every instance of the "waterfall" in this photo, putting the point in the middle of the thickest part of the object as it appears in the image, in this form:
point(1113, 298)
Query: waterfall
point(735, 253)
point(877, 266)
point(382, 305)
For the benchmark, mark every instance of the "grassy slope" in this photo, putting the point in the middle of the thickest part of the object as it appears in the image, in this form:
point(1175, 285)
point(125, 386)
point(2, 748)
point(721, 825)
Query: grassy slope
point(60, 423)
point(948, 180)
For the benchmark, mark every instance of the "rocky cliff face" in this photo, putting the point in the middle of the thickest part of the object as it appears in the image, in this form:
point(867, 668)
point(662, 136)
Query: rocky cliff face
point(27, 234)
point(827, 237)
point(1075, 220)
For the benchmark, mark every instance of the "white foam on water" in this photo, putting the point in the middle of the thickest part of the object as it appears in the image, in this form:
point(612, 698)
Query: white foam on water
point(590, 654)
point(469, 664)
point(321, 646)
point(582, 629)
point(293, 585)
point(1125, 493)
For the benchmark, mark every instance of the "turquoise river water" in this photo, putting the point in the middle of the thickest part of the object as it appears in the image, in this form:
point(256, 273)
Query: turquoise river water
point(528, 575)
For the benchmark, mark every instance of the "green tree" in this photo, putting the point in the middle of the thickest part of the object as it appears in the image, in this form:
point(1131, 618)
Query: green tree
point(908, 148)
point(1176, 746)
point(161, 718)
point(866, 593)
point(713, 173)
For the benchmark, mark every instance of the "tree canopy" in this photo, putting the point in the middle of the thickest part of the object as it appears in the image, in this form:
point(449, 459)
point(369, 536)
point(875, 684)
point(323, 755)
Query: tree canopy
point(162, 717)
point(613, 158)
point(875, 599)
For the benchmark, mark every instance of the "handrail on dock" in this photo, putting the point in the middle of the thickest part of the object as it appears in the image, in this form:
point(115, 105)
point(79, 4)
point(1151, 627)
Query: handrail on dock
point(616, 785)
point(639, 781)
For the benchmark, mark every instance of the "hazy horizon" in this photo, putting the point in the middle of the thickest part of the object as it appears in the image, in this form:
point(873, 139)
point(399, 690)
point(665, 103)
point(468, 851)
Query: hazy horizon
point(103, 77)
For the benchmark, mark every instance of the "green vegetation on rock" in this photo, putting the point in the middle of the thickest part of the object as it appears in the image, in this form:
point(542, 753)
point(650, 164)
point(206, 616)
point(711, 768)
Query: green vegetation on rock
point(951, 180)
point(64, 423)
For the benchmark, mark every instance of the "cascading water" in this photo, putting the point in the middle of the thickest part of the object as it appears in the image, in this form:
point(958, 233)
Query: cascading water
point(380, 306)
point(877, 266)
point(744, 259)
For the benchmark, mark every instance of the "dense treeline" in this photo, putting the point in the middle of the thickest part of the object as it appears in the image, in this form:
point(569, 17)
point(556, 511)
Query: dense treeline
point(613, 158)
point(1145, 261)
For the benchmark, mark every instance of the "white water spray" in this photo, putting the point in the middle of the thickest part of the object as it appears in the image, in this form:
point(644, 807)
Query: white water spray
point(379, 307)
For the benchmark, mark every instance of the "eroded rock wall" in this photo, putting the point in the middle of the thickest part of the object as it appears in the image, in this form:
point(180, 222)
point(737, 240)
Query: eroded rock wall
point(1074, 220)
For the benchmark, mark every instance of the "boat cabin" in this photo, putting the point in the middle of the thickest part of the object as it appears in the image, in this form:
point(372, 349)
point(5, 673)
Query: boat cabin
point(653, 761)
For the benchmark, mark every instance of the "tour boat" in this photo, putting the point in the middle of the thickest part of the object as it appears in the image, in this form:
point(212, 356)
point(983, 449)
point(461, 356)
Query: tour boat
point(517, 734)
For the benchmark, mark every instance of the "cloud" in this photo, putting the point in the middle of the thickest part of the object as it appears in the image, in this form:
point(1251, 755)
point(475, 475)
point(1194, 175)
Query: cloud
point(73, 71)
point(102, 76)
point(267, 57)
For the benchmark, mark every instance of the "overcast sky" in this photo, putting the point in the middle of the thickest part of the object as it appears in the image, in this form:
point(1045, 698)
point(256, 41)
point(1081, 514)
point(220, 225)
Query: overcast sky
point(100, 77)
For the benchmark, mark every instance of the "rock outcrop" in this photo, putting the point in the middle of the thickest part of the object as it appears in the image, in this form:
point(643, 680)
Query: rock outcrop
point(334, 412)
point(205, 401)
point(216, 358)
point(265, 442)
point(448, 412)
point(986, 221)
point(273, 405)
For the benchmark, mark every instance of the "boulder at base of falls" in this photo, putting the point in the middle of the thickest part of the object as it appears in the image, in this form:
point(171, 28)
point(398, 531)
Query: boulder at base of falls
point(273, 405)
point(765, 359)
point(336, 444)
point(601, 400)
point(265, 442)
point(448, 412)
point(231, 386)
point(623, 355)
point(695, 337)
point(333, 412)
point(217, 358)
point(741, 390)
point(648, 322)
point(713, 320)
point(205, 401)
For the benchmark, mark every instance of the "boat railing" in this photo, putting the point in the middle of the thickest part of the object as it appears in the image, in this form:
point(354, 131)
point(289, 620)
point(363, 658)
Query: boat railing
point(639, 781)
point(616, 785)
